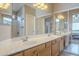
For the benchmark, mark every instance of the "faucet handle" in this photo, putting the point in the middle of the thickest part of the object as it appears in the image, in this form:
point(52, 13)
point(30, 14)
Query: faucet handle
point(26, 37)
point(48, 34)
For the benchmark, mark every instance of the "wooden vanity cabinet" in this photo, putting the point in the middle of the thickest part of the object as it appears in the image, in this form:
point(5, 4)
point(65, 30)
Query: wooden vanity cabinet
point(48, 49)
point(41, 49)
point(67, 40)
point(18, 54)
point(61, 44)
point(31, 52)
point(55, 47)
point(45, 49)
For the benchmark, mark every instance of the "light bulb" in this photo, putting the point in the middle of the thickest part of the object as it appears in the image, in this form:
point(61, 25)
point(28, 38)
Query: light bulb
point(42, 4)
point(39, 6)
point(60, 17)
point(44, 7)
point(35, 4)
point(1, 5)
point(4, 5)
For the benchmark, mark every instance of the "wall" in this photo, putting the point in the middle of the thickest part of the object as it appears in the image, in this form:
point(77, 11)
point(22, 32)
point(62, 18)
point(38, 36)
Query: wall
point(1, 21)
point(7, 11)
point(16, 28)
point(40, 25)
point(71, 12)
point(20, 16)
point(5, 32)
point(29, 20)
point(64, 6)
point(61, 7)
point(48, 11)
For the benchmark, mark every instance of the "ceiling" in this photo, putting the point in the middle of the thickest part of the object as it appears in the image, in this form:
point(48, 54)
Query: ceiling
point(17, 6)
point(7, 11)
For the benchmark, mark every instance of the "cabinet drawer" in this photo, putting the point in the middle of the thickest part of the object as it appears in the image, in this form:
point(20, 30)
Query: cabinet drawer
point(48, 44)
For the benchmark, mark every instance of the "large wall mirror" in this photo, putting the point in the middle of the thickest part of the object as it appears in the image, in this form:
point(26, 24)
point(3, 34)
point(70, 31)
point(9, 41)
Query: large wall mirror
point(5, 20)
point(61, 22)
point(44, 25)
point(20, 19)
point(11, 20)
point(26, 23)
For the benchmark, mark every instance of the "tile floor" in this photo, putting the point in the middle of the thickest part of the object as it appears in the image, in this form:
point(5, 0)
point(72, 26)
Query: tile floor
point(76, 41)
point(66, 54)
point(71, 50)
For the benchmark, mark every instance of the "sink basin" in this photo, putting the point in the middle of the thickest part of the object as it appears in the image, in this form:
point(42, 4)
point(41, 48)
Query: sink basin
point(30, 42)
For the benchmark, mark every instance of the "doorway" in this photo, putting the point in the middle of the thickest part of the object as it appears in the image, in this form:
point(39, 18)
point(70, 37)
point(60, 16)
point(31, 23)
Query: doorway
point(48, 25)
point(73, 47)
point(75, 28)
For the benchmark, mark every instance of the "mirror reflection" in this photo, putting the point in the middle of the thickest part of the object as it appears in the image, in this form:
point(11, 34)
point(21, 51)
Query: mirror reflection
point(5, 20)
point(61, 22)
point(23, 19)
point(18, 20)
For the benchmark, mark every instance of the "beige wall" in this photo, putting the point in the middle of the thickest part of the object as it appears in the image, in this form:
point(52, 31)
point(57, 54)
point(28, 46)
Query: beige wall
point(7, 11)
point(64, 6)
point(21, 15)
point(70, 8)
point(71, 12)
point(49, 10)
point(40, 25)
point(5, 32)
point(29, 19)
point(65, 15)
point(29, 24)
point(14, 28)
point(1, 21)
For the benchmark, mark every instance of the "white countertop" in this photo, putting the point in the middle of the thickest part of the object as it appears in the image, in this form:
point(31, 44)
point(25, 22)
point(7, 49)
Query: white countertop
point(11, 46)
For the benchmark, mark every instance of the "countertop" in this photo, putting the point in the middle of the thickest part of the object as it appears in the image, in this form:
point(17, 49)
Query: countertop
point(11, 46)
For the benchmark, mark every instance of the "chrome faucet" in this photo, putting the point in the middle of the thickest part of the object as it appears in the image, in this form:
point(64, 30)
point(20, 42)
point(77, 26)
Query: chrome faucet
point(48, 34)
point(25, 39)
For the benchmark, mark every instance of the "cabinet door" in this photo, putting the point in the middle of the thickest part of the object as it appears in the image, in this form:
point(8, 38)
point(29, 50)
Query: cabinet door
point(46, 50)
point(41, 50)
point(61, 44)
point(55, 47)
point(31, 52)
point(67, 40)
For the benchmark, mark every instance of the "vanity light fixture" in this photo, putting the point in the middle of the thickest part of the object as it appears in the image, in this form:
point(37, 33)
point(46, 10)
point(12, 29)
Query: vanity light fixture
point(60, 17)
point(4, 5)
point(42, 6)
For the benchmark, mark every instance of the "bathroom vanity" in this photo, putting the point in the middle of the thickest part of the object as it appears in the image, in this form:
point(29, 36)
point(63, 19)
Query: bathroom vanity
point(50, 48)
point(51, 45)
